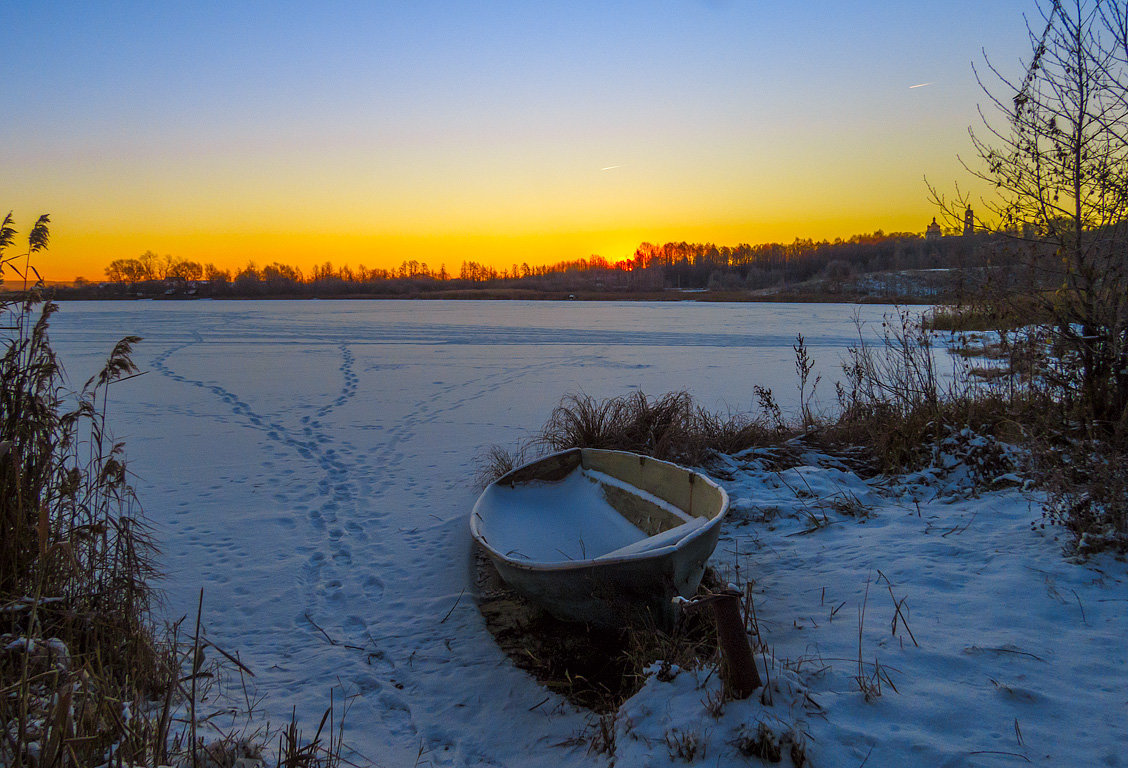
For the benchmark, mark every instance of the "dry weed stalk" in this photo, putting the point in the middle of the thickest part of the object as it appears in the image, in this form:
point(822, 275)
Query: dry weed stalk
point(602, 739)
point(870, 684)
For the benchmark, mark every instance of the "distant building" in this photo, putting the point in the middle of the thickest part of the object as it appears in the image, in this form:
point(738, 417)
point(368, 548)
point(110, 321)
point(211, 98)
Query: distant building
point(932, 232)
point(969, 222)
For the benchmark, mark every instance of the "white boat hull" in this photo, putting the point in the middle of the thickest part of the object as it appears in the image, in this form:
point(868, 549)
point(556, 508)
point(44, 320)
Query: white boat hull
point(675, 513)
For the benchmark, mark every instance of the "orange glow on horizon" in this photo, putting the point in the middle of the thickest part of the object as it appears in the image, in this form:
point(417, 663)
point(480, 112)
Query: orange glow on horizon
point(459, 208)
point(86, 254)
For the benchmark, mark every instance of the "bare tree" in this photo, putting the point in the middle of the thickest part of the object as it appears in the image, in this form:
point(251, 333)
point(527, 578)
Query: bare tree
point(1055, 153)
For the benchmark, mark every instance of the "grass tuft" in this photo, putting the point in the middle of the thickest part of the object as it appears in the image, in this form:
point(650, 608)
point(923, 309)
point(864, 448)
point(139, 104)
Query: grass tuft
point(670, 427)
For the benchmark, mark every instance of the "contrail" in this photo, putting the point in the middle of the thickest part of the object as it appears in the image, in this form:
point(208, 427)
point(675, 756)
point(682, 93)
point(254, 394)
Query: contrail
point(610, 167)
point(919, 85)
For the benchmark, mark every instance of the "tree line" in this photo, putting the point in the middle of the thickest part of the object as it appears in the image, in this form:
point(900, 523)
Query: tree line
point(652, 267)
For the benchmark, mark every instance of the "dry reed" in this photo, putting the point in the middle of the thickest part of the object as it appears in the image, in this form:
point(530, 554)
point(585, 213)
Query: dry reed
point(85, 676)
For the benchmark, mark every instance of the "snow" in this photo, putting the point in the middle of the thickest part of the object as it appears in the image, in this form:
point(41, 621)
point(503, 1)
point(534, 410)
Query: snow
point(568, 520)
point(309, 464)
point(553, 522)
point(1020, 651)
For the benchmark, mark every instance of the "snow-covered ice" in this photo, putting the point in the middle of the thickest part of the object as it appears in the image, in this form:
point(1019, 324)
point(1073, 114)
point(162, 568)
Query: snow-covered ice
point(310, 464)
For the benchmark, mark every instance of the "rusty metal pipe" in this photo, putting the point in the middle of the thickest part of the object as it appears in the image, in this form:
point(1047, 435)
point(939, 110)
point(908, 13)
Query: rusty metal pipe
point(738, 667)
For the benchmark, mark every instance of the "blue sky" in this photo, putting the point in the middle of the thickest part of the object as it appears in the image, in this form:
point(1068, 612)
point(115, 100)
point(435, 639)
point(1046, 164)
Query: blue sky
point(221, 131)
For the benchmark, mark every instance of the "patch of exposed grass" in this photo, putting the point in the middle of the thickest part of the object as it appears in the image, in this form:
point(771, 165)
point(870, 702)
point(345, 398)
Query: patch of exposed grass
point(663, 427)
point(984, 316)
point(895, 408)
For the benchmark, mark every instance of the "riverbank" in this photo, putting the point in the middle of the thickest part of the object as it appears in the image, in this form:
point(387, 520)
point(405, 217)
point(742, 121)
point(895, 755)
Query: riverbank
point(116, 293)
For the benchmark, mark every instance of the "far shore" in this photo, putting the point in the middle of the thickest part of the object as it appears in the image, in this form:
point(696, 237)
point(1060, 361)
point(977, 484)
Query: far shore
point(95, 293)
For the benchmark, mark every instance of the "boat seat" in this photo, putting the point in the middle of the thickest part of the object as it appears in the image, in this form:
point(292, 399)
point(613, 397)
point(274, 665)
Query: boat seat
point(651, 543)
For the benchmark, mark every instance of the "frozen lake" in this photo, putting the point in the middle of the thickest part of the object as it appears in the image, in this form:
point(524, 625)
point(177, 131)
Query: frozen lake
point(311, 463)
point(434, 348)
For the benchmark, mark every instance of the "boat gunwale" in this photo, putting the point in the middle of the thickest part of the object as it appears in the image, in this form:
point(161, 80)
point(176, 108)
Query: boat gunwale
point(668, 550)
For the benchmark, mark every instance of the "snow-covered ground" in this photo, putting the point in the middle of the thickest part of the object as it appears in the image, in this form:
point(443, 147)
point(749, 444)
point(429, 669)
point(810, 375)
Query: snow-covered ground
point(993, 649)
point(309, 464)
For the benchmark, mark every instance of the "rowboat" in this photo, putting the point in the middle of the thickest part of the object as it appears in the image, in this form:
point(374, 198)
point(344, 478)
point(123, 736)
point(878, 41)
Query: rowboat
point(599, 536)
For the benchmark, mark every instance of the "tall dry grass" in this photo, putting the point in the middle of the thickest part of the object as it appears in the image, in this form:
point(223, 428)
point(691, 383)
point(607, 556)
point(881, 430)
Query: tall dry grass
point(898, 403)
point(86, 677)
point(671, 427)
point(75, 556)
point(896, 407)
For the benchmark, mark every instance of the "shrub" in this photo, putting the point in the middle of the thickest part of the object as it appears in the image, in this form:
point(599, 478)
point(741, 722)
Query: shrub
point(1087, 489)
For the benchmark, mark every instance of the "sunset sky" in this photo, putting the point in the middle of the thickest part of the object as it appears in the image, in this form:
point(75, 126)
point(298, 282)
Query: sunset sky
point(370, 133)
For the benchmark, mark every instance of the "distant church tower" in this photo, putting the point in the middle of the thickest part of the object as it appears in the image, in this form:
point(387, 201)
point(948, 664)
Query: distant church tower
point(969, 222)
point(932, 232)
